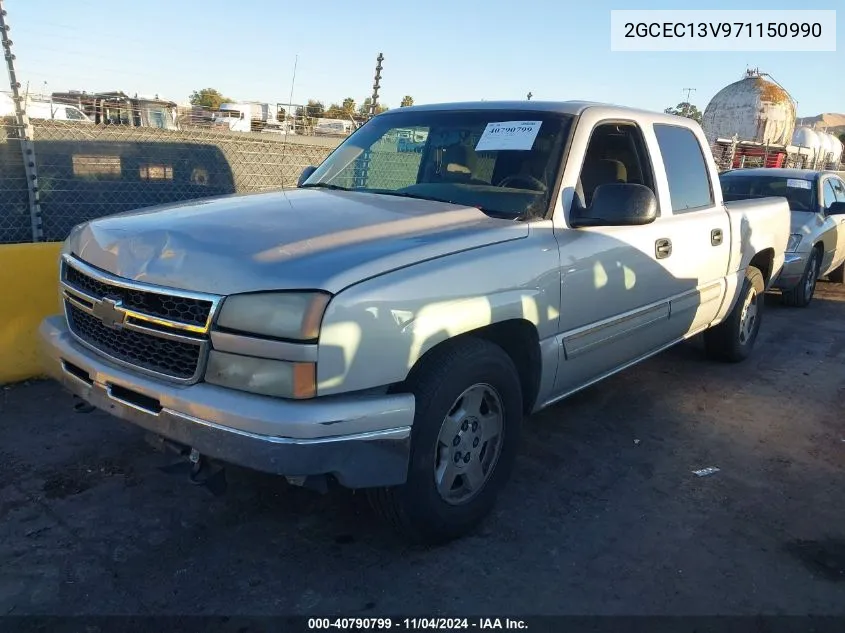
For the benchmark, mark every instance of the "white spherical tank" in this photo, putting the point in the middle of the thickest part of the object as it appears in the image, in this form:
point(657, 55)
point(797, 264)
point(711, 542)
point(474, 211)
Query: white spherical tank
point(806, 137)
point(836, 148)
point(826, 145)
point(752, 109)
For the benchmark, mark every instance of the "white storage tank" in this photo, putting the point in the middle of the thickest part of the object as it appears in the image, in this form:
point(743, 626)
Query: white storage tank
point(836, 148)
point(826, 146)
point(752, 109)
point(806, 137)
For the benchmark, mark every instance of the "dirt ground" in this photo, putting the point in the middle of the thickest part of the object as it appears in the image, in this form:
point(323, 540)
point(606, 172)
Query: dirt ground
point(603, 516)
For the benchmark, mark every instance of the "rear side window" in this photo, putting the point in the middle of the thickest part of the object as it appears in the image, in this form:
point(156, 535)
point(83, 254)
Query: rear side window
point(689, 183)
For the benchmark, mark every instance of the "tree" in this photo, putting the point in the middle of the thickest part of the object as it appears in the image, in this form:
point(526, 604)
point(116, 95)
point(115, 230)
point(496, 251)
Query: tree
point(349, 106)
point(686, 109)
point(314, 109)
point(335, 111)
point(407, 100)
point(208, 98)
point(842, 138)
point(364, 108)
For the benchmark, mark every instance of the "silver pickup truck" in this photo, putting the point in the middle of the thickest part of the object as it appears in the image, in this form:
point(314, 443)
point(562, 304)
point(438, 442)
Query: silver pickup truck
point(388, 324)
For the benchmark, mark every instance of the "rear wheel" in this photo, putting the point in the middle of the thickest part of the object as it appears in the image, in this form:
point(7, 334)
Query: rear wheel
point(463, 442)
point(837, 275)
point(801, 295)
point(733, 339)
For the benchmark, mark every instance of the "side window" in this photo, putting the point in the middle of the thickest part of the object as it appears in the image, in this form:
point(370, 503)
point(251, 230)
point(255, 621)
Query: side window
point(616, 153)
point(686, 170)
point(838, 189)
point(829, 194)
point(73, 115)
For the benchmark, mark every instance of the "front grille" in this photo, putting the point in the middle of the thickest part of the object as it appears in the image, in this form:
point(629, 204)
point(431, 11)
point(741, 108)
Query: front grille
point(177, 359)
point(182, 309)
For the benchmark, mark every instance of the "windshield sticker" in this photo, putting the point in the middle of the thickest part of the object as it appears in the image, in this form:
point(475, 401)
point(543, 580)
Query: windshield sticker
point(797, 183)
point(504, 135)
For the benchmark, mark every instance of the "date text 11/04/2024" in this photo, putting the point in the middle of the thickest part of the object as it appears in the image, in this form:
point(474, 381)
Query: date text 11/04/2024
point(723, 29)
point(414, 624)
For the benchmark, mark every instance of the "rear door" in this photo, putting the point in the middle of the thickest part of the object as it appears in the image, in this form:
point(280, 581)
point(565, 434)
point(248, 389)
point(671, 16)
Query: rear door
point(700, 228)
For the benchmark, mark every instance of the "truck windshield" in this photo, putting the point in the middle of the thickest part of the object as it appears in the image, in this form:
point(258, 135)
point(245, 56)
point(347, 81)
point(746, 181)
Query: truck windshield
point(504, 162)
point(799, 192)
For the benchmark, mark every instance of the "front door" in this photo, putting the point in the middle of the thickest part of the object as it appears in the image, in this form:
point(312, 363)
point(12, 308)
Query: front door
point(616, 280)
point(837, 188)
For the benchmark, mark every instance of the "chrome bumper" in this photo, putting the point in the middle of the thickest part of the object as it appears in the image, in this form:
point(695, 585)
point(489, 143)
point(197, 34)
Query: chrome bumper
point(364, 441)
point(792, 271)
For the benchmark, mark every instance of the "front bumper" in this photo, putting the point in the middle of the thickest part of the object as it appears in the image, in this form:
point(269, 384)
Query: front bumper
point(363, 441)
point(793, 269)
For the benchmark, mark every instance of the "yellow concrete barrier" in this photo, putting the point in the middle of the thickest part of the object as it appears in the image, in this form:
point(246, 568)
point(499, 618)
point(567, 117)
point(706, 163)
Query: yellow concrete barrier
point(29, 291)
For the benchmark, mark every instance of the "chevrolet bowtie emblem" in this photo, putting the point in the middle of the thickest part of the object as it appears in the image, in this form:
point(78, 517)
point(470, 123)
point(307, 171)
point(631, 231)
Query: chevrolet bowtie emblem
point(109, 312)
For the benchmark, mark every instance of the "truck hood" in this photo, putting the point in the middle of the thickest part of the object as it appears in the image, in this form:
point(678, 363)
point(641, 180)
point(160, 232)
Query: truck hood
point(299, 239)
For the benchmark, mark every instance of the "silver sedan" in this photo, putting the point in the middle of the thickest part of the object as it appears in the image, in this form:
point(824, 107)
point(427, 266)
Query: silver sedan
point(816, 246)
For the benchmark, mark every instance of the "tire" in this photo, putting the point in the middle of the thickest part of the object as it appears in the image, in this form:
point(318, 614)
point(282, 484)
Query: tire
point(837, 275)
point(733, 339)
point(418, 509)
point(801, 295)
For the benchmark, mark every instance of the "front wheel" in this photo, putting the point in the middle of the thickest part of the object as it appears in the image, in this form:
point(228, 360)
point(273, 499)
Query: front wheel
point(733, 339)
point(801, 295)
point(463, 442)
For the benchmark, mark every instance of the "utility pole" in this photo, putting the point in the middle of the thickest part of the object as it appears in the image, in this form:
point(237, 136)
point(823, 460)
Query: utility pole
point(686, 101)
point(530, 94)
point(24, 131)
point(376, 84)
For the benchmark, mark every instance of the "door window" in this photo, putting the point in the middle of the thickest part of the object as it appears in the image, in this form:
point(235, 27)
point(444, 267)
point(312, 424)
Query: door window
point(838, 189)
point(616, 153)
point(686, 170)
point(829, 194)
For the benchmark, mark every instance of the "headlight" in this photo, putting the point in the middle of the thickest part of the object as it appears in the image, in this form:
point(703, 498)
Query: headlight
point(262, 376)
point(289, 315)
point(794, 241)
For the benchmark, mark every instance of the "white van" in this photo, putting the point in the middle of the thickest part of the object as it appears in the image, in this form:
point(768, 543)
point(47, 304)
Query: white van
point(332, 127)
point(44, 110)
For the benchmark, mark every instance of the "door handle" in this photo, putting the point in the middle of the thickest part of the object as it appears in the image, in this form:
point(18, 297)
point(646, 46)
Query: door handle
point(663, 248)
point(715, 237)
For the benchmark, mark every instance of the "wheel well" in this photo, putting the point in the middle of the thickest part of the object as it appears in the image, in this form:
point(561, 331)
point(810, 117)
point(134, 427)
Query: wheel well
point(519, 339)
point(764, 261)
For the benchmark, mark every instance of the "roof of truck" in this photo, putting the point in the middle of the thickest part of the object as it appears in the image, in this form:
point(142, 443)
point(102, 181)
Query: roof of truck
point(802, 174)
point(562, 107)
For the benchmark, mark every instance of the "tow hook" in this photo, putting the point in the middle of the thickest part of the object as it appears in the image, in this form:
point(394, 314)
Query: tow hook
point(206, 473)
point(200, 469)
point(80, 406)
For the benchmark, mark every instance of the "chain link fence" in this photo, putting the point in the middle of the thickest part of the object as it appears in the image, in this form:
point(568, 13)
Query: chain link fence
point(87, 171)
point(15, 219)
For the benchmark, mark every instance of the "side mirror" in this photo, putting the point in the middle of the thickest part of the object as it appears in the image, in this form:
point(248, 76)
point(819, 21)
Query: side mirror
point(837, 208)
point(619, 204)
point(305, 175)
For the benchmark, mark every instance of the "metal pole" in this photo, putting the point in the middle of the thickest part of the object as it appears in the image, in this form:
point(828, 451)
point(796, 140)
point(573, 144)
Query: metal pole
point(376, 85)
point(25, 132)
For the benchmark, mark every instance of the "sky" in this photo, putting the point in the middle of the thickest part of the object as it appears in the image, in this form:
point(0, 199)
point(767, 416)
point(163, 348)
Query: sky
point(435, 51)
